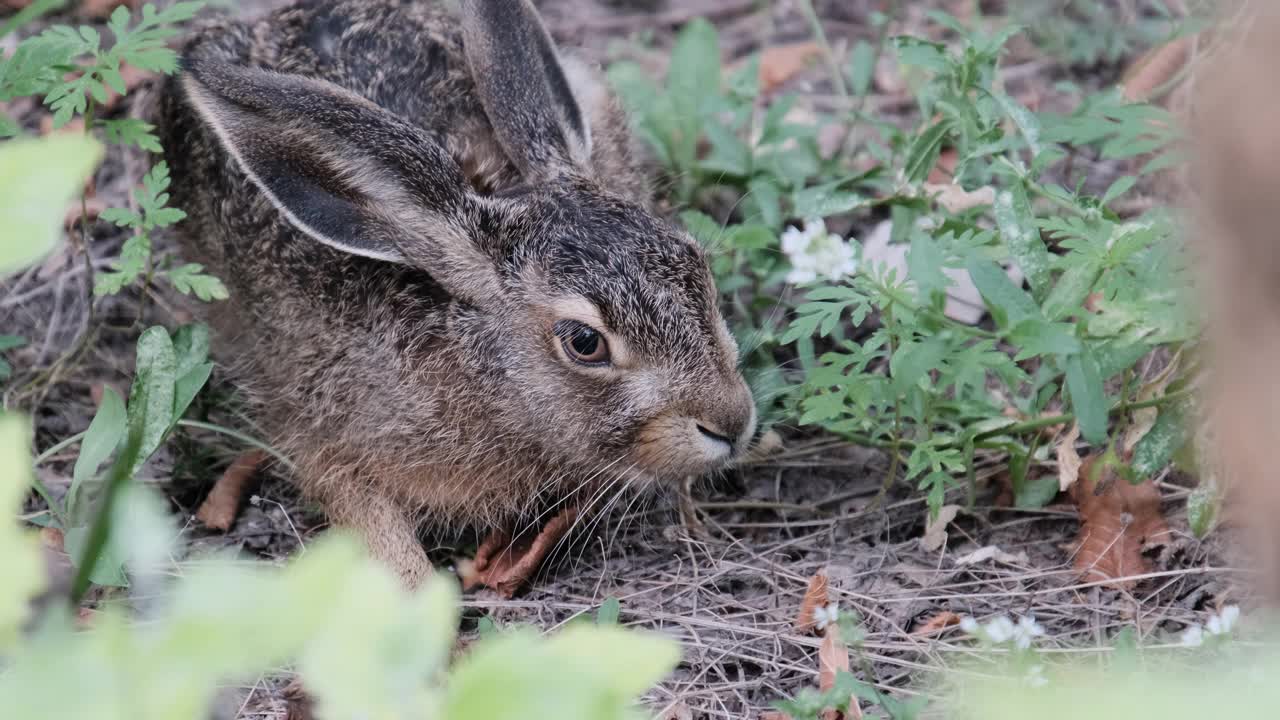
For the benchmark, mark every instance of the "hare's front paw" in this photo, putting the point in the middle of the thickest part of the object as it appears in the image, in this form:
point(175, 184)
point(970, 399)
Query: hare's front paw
point(504, 563)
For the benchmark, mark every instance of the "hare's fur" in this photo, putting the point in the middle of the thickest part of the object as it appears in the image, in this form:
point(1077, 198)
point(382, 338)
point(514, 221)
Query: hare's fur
point(399, 242)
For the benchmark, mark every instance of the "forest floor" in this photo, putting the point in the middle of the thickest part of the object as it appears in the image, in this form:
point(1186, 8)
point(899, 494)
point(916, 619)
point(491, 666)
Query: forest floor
point(726, 575)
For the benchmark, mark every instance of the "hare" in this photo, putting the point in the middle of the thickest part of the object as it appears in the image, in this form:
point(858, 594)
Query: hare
point(450, 301)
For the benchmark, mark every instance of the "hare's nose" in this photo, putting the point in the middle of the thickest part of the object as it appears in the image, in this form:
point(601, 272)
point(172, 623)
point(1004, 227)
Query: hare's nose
point(734, 425)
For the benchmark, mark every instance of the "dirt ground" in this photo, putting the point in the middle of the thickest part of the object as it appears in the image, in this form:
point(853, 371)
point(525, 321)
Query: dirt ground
point(725, 577)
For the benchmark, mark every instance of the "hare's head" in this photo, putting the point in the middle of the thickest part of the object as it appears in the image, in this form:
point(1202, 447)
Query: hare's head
point(591, 323)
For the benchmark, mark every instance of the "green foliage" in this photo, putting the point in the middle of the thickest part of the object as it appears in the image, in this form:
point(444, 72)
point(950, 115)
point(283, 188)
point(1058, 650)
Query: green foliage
point(73, 71)
point(136, 256)
point(38, 178)
point(1089, 32)
point(1101, 290)
point(8, 342)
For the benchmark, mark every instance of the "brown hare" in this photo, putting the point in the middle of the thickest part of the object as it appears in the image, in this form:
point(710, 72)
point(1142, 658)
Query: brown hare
point(450, 303)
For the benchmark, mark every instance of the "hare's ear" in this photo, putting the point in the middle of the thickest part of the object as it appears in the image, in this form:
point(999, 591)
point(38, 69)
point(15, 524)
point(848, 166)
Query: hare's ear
point(523, 87)
point(344, 171)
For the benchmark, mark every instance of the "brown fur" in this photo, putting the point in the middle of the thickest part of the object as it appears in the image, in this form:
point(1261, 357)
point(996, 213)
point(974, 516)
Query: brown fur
point(398, 243)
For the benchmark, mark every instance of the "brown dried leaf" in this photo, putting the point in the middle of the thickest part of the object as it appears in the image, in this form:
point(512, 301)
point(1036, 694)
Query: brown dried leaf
point(103, 8)
point(955, 198)
point(815, 596)
point(1156, 67)
point(935, 530)
point(833, 656)
point(505, 565)
point(220, 508)
point(780, 63)
point(74, 126)
point(1115, 525)
point(936, 624)
point(944, 170)
point(1068, 459)
point(298, 704)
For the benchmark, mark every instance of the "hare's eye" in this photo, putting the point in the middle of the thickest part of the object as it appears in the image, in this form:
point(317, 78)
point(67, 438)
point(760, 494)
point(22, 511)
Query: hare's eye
point(582, 343)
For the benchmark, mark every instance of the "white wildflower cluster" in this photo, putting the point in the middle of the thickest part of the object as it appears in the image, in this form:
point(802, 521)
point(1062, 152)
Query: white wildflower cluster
point(1000, 630)
point(815, 253)
point(1219, 625)
point(824, 616)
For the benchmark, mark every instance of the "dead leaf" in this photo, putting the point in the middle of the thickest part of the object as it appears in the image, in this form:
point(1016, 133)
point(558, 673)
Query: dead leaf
point(935, 529)
point(936, 624)
point(297, 702)
point(1155, 68)
point(955, 198)
point(780, 63)
point(505, 564)
point(816, 596)
point(1068, 459)
point(92, 208)
point(1115, 525)
point(992, 552)
point(833, 657)
point(944, 170)
point(103, 8)
point(220, 508)
point(52, 538)
point(75, 125)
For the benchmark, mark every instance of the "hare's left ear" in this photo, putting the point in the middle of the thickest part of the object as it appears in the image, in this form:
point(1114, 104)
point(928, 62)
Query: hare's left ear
point(524, 88)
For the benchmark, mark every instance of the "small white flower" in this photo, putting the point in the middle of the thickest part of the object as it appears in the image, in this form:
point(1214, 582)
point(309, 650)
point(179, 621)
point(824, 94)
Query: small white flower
point(1000, 630)
point(1026, 631)
point(824, 616)
point(814, 253)
point(1193, 636)
point(969, 625)
point(1222, 623)
point(1035, 676)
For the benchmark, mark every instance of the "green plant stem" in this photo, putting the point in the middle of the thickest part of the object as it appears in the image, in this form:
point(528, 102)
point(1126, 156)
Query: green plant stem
point(100, 531)
point(820, 37)
point(58, 447)
point(246, 439)
point(29, 13)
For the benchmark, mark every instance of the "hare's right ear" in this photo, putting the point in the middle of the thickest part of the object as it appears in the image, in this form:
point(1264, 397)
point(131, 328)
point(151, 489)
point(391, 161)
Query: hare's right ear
point(524, 89)
point(346, 172)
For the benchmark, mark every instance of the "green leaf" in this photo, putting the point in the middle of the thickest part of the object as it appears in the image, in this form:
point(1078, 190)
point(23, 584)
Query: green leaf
point(38, 178)
point(1000, 293)
point(1088, 398)
point(823, 201)
point(190, 280)
point(1203, 505)
point(585, 671)
point(105, 432)
point(108, 571)
point(913, 360)
point(924, 151)
point(131, 131)
point(1019, 231)
point(1036, 337)
point(151, 398)
point(24, 567)
point(1156, 449)
point(862, 65)
point(1068, 295)
point(608, 612)
point(924, 265)
point(1023, 118)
